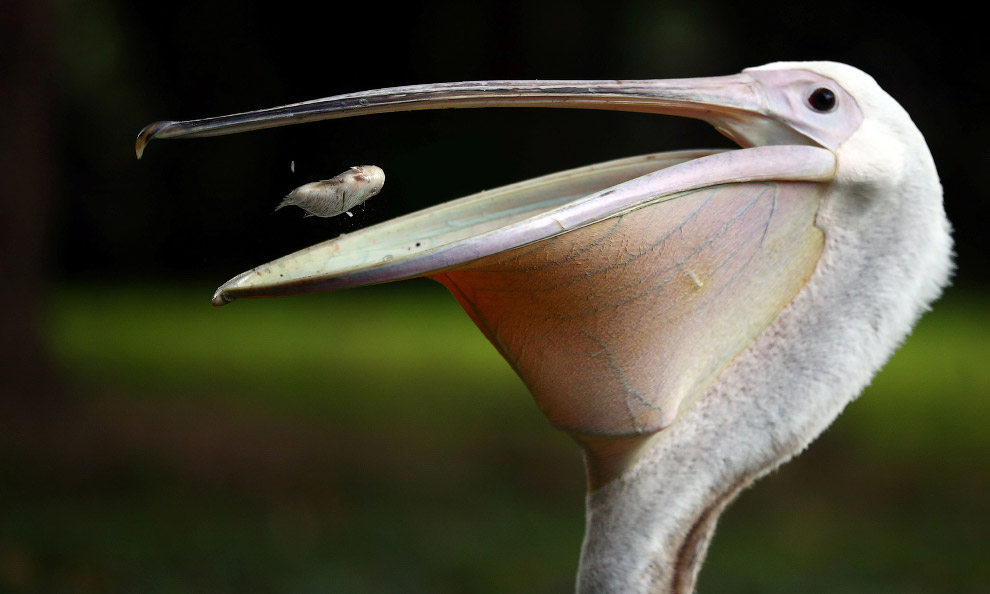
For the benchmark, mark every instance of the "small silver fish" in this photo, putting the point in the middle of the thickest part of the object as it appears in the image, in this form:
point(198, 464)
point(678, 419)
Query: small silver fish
point(331, 197)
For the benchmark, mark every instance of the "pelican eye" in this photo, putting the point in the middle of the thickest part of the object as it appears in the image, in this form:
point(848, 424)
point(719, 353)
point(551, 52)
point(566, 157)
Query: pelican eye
point(822, 99)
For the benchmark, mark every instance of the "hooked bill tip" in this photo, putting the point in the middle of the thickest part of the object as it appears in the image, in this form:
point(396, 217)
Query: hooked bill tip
point(145, 136)
point(221, 298)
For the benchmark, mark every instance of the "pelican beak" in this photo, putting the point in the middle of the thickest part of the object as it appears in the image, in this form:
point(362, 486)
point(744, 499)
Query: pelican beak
point(734, 104)
point(438, 238)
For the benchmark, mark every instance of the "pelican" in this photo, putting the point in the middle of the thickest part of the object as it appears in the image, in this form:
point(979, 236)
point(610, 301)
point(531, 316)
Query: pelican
point(692, 319)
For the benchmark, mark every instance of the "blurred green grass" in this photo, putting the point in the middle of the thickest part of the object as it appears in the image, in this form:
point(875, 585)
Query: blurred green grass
point(932, 400)
point(373, 441)
point(308, 353)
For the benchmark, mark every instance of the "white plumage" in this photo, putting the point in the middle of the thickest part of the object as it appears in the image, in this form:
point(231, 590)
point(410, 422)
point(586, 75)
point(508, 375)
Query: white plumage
point(887, 256)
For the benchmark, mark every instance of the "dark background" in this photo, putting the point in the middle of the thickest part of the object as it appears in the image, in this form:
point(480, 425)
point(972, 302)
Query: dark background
point(203, 207)
point(200, 464)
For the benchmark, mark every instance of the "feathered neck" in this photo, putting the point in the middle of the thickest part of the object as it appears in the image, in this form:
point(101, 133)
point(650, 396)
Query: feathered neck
point(886, 258)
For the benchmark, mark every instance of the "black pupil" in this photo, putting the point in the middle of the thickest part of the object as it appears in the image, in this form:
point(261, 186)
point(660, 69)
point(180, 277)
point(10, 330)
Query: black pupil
point(822, 99)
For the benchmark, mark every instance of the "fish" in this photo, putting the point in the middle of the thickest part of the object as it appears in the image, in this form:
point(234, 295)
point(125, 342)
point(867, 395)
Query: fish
point(335, 196)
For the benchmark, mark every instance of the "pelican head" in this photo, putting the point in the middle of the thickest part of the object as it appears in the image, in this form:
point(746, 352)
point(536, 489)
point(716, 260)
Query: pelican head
point(693, 319)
